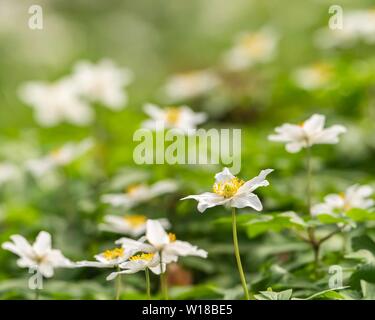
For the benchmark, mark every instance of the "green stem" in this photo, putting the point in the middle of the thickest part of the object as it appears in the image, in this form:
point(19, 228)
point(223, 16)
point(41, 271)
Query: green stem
point(315, 244)
point(148, 287)
point(309, 178)
point(118, 285)
point(237, 254)
point(163, 279)
point(36, 294)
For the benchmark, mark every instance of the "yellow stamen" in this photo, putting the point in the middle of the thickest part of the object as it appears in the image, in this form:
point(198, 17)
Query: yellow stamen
point(142, 256)
point(323, 69)
point(254, 43)
point(172, 237)
point(135, 220)
point(172, 115)
point(346, 206)
point(114, 253)
point(229, 188)
point(133, 188)
point(301, 124)
point(55, 154)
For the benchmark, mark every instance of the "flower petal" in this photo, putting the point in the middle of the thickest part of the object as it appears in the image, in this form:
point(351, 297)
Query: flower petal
point(208, 200)
point(42, 243)
point(224, 176)
point(247, 200)
point(294, 147)
point(258, 181)
point(156, 234)
point(157, 269)
point(22, 245)
point(329, 135)
point(314, 124)
point(184, 248)
point(46, 269)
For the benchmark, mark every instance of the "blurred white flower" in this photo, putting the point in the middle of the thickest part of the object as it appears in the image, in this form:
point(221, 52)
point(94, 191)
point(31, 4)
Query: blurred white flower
point(358, 25)
point(138, 193)
point(9, 172)
point(110, 258)
point(230, 191)
point(252, 48)
point(56, 102)
point(39, 255)
point(133, 225)
point(307, 134)
point(59, 157)
point(181, 117)
point(313, 77)
point(190, 84)
point(354, 197)
point(103, 82)
point(140, 262)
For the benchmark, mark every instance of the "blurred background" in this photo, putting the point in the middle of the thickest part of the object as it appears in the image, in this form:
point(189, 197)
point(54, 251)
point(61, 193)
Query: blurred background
point(308, 69)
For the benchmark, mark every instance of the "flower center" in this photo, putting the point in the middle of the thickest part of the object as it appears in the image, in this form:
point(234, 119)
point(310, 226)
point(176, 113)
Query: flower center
point(229, 188)
point(347, 205)
point(55, 154)
point(135, 220)
point(142, 256)
point(133, 188)
point(255, 44)
point(172, 237)
point(172, 115)
point(114, 253)
point(322, 69)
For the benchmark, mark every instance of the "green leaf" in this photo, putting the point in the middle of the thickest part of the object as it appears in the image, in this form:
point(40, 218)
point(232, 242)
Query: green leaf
point(329, 294)
point(274, 222)
point(360, 215)
point(273, 295)
point(364, 272)
point(363, 242)
point(368, 290)
point(331, 219)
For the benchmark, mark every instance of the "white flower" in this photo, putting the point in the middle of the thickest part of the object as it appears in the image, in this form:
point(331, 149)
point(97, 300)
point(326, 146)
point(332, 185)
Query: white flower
point(103, 82)
point(140, 262)
point(9, 172)
point(59, 157)
point(190, 84)
point(39, 255)
point(313, 77)
point(307, 134)
point(182, 118)
point(355, 196)
point(252, 48)
point(138, 193)
point(55, 103)
point(110, 258)
point(133, 225)
point(230, 191)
